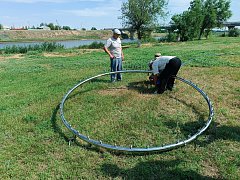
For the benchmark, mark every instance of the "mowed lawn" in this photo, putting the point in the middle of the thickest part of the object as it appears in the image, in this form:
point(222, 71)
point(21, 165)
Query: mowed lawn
point(34, 141)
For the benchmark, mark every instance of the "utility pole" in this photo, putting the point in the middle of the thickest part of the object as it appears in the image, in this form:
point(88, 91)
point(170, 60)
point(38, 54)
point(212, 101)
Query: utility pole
point(58, 24)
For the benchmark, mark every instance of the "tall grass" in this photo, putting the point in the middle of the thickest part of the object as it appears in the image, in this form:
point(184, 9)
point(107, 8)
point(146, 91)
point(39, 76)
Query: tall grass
point(46, 46)
point(93, 45)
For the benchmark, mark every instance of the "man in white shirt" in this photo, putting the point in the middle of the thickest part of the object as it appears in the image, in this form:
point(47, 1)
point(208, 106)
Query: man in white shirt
point(113, 48)
point(164, 68)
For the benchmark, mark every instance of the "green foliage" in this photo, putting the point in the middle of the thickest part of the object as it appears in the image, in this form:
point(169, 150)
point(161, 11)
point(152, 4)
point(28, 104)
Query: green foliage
point(46, 46)
point(234, 32)
point(93, 28)
point(182, 23)
point(201, 17)
point(140, 15)
point(171, 37)
point(93, 45)
point(1, 26)
point(66, 28)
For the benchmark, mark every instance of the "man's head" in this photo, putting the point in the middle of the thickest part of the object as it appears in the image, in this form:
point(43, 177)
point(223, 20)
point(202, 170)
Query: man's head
point(157, 55)
point(116, 32)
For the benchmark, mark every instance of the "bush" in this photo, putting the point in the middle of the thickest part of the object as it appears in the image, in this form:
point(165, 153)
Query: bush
point(233, 32)
point(46, 46)
point(171, 37)
point(94, 45)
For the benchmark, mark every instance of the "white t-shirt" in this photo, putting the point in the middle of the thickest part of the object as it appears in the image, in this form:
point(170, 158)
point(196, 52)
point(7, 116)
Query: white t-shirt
point(114, 46)
point(160, 63)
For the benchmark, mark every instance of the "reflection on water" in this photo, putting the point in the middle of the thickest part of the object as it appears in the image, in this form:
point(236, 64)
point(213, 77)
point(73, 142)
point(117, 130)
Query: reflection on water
point(66, 44)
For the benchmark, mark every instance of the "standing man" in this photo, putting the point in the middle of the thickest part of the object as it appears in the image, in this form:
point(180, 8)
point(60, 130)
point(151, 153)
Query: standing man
point(164, 68)
point(113, 48)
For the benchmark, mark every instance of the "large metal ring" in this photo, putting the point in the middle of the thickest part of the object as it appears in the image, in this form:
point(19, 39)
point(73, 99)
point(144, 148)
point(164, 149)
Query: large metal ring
point(136, 149)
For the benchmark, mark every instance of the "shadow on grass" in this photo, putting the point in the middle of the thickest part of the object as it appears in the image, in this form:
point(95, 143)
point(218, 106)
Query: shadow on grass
point(223, 132)
point(152, 170)
point(55, 126)
point(189, 128)
point(143, 87)
point(101, 80)
point(58, 129)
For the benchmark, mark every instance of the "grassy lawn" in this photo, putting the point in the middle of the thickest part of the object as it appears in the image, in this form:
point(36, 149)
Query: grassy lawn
point(34, 141)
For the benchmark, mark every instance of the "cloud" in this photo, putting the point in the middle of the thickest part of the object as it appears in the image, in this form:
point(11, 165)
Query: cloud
point(111, 9)
point(93, 12)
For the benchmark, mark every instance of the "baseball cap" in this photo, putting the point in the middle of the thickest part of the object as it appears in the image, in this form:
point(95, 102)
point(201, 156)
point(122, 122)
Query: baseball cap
point(117, 31)
point(157, 54)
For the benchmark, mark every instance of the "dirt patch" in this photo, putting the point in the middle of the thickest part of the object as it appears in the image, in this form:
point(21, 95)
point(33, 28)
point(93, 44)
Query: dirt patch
point(2, 58)
point(211, 170)
point(70, 54)
point(15, 56)
point(57, 54)
point(123, 91)
point(114, 91)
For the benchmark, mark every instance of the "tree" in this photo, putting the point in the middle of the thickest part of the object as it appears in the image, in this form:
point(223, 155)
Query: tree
point(57, 27)
point(1, 26)
point(215, 12)
point(141, 15)
point(93, 28)
point(201, 17)
point(66, 28)
point(51, 26)
point(43, 24)
point(182, 24)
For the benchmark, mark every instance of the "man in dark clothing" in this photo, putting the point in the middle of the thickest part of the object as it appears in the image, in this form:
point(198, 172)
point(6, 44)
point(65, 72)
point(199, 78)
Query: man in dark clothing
point(164, 68)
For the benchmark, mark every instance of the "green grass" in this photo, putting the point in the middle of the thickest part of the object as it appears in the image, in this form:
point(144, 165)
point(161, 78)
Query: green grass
point(34, 141)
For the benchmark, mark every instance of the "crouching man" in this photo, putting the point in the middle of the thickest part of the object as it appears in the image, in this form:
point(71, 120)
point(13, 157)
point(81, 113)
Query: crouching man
point(164, 69)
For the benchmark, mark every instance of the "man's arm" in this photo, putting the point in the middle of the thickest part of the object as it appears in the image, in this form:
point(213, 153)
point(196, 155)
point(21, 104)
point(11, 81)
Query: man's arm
point(155, 72)
point(108, 52)
point(155, 78)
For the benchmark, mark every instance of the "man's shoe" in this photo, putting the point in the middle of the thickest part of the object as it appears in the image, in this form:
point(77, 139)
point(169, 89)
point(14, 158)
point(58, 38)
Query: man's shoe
point(170, 88)
point(160, 91)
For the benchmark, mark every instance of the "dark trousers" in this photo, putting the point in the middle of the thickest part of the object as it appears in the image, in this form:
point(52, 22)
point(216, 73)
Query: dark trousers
point(166, 77)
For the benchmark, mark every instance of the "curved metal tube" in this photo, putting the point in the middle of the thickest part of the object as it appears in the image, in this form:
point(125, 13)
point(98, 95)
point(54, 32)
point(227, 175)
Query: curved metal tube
point(137, 149)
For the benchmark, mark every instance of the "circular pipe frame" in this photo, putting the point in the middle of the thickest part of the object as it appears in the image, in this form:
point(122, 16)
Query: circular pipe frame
point(137, 149)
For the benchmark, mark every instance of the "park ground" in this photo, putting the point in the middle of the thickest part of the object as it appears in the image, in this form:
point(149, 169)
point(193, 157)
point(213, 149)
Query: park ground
point(34, 141)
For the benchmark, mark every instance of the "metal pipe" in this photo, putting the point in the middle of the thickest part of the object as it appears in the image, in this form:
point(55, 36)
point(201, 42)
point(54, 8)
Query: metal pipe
point(137, 149)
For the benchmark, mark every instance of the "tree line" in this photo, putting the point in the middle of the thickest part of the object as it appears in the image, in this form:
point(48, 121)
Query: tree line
point(200, 18)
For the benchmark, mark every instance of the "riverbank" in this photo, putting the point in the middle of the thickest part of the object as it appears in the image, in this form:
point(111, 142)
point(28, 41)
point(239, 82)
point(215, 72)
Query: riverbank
point(52, 35)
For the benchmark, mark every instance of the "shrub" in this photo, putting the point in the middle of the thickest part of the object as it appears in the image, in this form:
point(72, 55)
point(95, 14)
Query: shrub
point(93, 45)
point(46, 46)
point(233, 32)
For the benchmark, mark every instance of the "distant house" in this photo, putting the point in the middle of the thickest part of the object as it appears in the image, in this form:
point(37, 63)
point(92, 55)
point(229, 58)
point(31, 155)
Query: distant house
point(6, 28)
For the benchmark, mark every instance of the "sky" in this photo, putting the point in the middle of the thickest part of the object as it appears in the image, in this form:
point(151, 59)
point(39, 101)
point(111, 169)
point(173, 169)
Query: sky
point(80, 14)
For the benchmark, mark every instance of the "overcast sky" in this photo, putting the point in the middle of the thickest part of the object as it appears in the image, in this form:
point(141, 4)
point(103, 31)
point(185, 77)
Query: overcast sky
point(79, 13)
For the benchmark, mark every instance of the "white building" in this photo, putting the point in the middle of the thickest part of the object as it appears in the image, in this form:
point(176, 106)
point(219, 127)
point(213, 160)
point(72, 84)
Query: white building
point(6, 28)
point(44, 28)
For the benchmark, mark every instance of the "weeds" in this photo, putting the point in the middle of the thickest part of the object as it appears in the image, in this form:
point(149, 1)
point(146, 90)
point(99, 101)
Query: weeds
point(46, 46)
point(94, 45)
